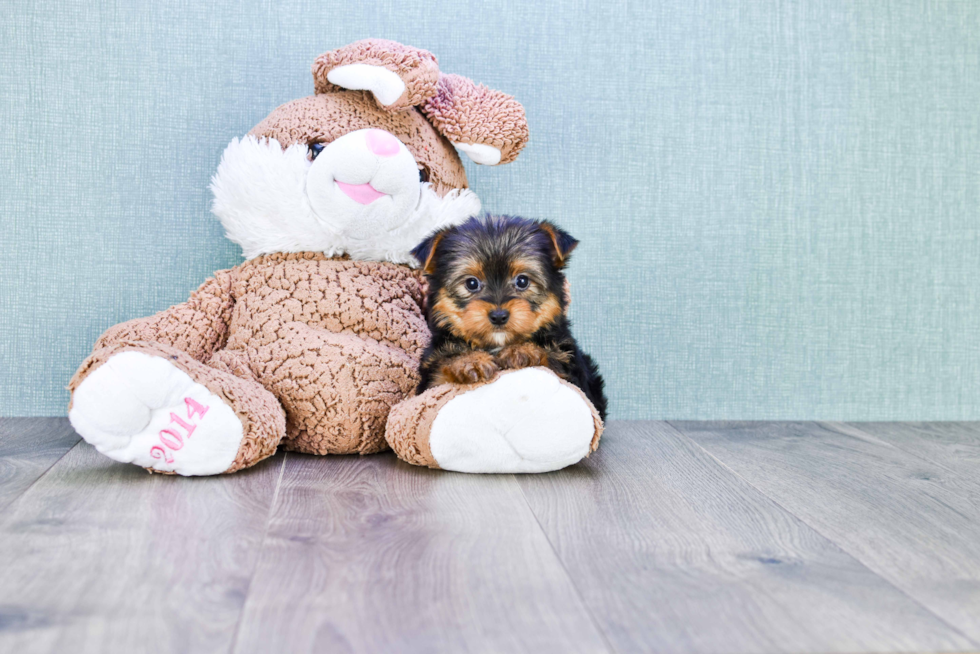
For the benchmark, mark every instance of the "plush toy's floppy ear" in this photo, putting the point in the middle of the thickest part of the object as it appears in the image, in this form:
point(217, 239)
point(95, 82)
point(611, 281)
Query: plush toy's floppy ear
point(399, 76)
point(561, 241)
point(425, 252)
point(487, 125)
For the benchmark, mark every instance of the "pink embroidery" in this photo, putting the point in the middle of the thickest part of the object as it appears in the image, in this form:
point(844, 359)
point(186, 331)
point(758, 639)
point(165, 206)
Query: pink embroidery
point(158, 452)
point(174, 445)
point(180, 421)
point(194, 408)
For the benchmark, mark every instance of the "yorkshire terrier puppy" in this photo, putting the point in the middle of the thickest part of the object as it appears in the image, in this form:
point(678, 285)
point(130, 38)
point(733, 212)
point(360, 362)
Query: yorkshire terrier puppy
point(496, 300)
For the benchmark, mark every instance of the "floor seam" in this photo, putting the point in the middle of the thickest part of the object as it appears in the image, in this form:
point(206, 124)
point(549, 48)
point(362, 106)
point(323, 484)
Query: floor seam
point(568, 575)
point(258, 556)
point(830, 540)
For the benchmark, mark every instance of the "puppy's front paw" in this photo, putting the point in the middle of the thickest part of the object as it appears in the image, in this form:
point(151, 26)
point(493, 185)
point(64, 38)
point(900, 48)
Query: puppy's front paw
point(468, 369)
point(523, 355)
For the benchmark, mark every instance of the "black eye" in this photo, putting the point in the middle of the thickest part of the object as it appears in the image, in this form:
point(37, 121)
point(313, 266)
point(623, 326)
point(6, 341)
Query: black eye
point(472, 284)
point(315, 150)
point(423, 175)
point(522, 282)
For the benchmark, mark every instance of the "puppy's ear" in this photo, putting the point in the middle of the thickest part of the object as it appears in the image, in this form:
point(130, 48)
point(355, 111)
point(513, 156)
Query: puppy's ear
point(561, 242)
point(425, 252)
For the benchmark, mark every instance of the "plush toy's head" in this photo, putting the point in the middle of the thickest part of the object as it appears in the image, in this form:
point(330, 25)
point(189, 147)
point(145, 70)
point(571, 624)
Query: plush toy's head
point(367, 166)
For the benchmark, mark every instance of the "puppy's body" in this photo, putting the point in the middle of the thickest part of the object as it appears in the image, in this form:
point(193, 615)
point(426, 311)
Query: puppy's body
point(496, 301)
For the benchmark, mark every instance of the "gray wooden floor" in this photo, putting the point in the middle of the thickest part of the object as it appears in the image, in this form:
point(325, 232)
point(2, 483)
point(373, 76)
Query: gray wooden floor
point(674, 537)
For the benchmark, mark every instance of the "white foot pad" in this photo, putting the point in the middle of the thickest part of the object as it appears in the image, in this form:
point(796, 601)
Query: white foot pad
point(526, 421)
point(138, 408)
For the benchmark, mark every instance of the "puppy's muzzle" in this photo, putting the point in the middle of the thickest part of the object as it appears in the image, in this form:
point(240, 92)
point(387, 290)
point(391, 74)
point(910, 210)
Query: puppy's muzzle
point(499, 317)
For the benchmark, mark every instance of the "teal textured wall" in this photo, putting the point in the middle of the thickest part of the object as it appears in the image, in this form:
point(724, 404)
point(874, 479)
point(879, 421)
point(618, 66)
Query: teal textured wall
point(778, 200)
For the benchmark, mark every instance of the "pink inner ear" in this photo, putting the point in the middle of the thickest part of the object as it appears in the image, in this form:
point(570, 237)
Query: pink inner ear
point(382, 143)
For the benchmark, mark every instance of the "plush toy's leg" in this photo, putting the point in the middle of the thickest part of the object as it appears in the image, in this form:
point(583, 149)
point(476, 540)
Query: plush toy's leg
point(522, 421)
point(155, 406)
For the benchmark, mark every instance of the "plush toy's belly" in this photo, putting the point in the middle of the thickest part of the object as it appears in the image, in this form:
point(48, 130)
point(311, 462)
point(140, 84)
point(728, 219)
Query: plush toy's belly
point(336, 341)
point(371, 300)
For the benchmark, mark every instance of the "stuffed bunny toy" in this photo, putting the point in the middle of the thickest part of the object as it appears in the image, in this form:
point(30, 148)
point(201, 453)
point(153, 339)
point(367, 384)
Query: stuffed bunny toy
point(313, 343)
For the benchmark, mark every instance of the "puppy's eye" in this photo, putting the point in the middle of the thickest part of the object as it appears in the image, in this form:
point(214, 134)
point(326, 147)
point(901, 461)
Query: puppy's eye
point(522, 282)
point(315, 150)
point(472, 284)
point(423, 175)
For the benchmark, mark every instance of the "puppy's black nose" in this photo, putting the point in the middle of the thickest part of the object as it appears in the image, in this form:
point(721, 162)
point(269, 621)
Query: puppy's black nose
point(499, 316)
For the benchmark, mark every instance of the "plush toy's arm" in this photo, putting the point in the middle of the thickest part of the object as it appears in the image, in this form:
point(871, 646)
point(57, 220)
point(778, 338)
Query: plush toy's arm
point(489, 126)
point(400, 76)
point(198, 326)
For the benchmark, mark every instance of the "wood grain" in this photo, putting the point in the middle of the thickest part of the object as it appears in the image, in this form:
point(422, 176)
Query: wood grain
point(673, 553)
point(99, 556)
point(373, 555)
point(28, 447)
point(913, 522)
point(953, 445)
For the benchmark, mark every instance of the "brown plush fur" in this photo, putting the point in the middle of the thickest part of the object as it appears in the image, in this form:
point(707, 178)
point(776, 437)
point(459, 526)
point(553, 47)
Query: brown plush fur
point(502, 122)
point(335, 342)
point(417, 68)
point(326, 117)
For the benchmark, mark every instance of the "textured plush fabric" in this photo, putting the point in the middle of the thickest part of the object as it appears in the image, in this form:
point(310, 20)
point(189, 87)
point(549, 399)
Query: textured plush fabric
point(336, 342)
point(777, 199)
point(410, 422)
point(469, 113)
point(417, 68)
point(326, 117)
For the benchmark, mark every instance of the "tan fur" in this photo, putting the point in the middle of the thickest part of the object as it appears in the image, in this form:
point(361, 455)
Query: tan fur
point(522, 319)
point(476, 326)
point(521, 355)
point(429, 265)
point(526, 266)
point(559, 257)
point(547, 313)
point(446, 313)
point(469, 368)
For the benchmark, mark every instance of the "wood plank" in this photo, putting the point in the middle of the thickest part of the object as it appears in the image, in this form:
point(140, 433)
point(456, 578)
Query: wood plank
point(673, 553)
point(953, 445)
point(99, 556)
point(28, 447)
point(914, 523)
point(373, 555)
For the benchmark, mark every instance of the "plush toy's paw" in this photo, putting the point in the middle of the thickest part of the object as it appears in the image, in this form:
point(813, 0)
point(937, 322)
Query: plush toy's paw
point(468, 368)
point(143, 409)
point(523, 421)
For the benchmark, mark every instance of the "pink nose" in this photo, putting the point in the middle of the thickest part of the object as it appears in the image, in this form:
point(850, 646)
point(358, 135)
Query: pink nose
point(382, 143)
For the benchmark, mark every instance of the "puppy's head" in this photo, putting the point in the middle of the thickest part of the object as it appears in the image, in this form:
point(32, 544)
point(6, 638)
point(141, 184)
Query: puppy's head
point(496, 280)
